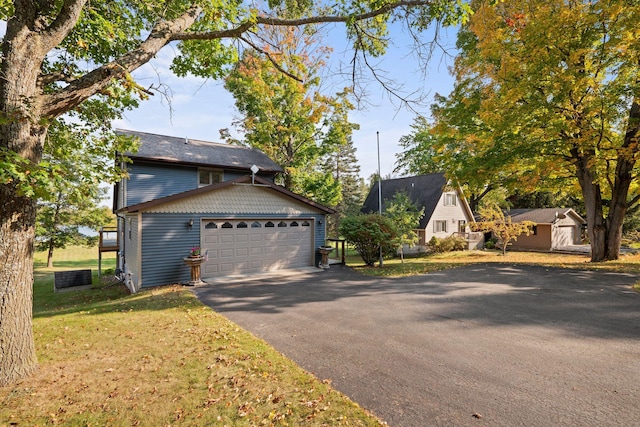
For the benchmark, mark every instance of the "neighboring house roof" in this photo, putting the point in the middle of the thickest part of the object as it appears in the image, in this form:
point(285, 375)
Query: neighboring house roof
point(424, 190)
point(170, 149)
point(259, 182)
point(543, 215)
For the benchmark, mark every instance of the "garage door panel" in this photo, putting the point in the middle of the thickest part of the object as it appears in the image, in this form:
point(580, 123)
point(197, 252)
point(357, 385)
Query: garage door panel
point(226, 238)
point(234, 250)
point(255, 251)
point(226, 253)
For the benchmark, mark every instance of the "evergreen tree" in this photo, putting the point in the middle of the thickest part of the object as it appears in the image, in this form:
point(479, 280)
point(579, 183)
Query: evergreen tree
point(343, 166)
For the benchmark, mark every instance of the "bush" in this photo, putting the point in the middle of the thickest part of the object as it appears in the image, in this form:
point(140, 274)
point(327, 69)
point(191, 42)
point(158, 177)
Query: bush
point(448, 244)
point(367, 233)
point(491, 243)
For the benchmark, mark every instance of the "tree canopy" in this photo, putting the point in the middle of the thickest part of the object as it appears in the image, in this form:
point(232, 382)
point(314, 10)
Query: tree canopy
point(555, 91)
point(58, 56)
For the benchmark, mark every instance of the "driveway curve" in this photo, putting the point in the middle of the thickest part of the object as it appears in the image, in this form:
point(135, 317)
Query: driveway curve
point(492, 345)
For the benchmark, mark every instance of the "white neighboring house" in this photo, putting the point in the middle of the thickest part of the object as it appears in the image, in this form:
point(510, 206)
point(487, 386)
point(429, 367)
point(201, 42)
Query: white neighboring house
point(446, 211)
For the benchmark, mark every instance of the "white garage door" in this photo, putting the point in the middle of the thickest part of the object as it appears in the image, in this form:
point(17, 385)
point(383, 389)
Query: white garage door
point(251, 246)
point(565, 236)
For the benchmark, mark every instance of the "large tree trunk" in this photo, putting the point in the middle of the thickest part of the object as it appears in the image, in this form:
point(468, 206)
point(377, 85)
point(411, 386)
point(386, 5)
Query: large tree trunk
point(626, 161)
point(21, 132)
point(596, 226)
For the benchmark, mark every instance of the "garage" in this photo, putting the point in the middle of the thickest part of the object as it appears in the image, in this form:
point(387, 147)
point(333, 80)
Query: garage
point(239, 246)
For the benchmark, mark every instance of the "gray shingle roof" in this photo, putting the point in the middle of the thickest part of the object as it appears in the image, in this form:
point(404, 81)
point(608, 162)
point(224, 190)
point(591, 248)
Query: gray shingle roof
point(542, 215)
point(161, 148)
point(423, 190)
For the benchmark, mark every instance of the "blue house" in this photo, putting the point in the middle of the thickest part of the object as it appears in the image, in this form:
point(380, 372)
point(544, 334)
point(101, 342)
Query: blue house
point(182, 193)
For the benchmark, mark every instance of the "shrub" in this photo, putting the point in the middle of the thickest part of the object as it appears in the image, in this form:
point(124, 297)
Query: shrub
point(448, 244)
point(491, 243)
point(367, 233)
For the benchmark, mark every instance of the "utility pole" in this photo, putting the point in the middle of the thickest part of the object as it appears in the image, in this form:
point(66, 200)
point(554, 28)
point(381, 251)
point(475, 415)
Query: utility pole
point(379, 188)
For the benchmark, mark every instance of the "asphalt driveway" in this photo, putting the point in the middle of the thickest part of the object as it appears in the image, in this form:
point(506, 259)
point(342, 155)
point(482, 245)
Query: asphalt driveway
point(477, 345)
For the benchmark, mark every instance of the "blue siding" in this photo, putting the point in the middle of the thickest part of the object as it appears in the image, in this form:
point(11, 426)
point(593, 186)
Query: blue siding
point(149, 182)
point(166, 240)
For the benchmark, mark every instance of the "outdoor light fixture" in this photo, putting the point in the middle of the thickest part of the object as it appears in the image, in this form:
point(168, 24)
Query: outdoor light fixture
point(254, 171)
point(190, 223)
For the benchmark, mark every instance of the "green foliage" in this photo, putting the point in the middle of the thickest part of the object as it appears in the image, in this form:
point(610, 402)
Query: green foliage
point(559, 96)
point(501, 225)
point(343, 167)
point(368, 233)
point(287, 117)
point(406, 217)
point(448, 244)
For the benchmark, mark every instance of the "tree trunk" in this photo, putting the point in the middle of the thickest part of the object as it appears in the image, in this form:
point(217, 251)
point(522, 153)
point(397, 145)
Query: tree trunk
point(596, 226)
point(22, 131)
point(624, 177)
point(50, 255)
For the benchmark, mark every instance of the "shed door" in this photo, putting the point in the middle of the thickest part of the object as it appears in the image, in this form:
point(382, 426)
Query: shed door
point(253, 246)
point(565, 236)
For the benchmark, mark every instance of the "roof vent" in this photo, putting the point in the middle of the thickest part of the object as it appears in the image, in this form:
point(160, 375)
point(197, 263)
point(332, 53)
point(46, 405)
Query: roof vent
point(186, 139)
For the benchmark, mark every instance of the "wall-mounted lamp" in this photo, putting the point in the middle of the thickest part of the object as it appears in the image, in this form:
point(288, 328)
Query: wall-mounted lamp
point(319, 222)
point(190, 223)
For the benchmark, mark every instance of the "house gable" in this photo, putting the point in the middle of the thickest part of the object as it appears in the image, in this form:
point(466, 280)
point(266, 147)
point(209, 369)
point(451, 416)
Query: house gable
point(428, 191)
point(244, 195)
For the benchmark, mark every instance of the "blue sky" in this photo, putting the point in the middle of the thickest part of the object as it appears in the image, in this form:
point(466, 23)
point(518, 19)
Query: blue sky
point(200, 108)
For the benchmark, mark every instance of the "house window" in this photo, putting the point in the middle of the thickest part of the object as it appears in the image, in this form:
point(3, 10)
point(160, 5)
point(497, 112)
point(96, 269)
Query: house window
point(535, 230)
point(462, 226)
point(256, 224)
point(450, 199)
point(208, 177)
point(282, 224)
point(241, 225)
point(440, 226)
point(227, 225)
point(211, 225)
point(269, 224)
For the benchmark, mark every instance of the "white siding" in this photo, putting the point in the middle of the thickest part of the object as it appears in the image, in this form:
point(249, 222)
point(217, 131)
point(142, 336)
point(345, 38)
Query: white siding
point(451, 214)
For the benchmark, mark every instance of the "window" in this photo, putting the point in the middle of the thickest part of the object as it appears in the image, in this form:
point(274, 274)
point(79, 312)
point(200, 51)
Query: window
point(294, 224)
point(208, 177)
point(306, 224)
point(450, 199)
point(256, 224)
point(269, 224)
point(439, 226)
point(535, 230)
point(241, 225)
point(227, 225)
point(211, 225)
point(462, 226)
point(282, 224)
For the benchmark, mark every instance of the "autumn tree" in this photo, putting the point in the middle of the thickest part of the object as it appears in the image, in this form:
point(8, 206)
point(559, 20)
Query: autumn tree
point(561, 85)
point(494, 220)
point(284, 112)
point(58, 56)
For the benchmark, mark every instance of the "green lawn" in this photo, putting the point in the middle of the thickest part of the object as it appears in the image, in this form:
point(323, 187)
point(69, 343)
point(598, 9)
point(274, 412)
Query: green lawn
point(157, 358)
point(430, 263)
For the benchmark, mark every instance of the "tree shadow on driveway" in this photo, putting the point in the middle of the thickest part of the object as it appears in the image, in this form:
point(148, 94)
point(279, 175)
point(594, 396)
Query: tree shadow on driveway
point(590, 303)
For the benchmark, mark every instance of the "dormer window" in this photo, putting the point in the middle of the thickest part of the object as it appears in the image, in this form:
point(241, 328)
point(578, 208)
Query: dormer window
point(450, 199)
point(208, 177)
